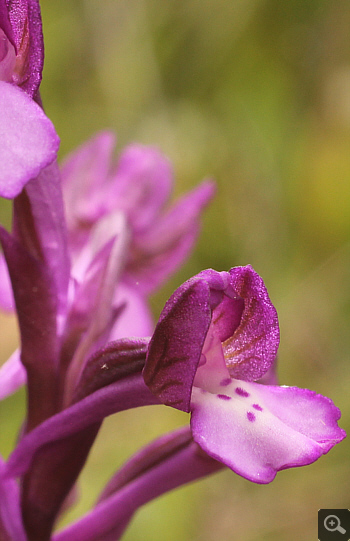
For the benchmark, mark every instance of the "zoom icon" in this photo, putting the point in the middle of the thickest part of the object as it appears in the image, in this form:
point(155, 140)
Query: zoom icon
point(334, 524)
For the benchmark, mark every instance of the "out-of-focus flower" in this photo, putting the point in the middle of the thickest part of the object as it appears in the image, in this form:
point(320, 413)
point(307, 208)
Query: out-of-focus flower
point(137, 188)
point(123, 241)
point(217, 335)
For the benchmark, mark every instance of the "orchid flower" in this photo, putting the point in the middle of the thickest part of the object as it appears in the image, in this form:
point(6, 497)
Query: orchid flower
point(28, 139)
point(88, 245)
point(216, 337)
point(215, 341)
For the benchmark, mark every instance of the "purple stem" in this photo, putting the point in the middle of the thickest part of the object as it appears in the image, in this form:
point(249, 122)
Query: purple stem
point(111, 516)
point(53, 454)
point(128, 393)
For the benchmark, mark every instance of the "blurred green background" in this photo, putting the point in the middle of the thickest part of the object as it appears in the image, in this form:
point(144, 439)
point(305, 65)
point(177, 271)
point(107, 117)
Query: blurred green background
point(255, 93)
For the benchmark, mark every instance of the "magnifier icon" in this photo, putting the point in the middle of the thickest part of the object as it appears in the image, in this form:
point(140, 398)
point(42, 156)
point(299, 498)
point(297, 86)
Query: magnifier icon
point(332, 524)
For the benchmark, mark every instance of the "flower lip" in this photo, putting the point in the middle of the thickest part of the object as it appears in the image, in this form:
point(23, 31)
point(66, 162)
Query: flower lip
point(271, 429)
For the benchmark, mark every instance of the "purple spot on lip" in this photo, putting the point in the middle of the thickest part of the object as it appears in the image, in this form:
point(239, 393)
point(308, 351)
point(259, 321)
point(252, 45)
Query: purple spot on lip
point(224, 397)
point(225, 382)
point(250, 416)
point(257, 407)
point(241, 392)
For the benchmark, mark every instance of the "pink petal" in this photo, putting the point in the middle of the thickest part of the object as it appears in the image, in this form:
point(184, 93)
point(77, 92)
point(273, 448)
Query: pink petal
point(28, 140)
point(310, 413)
point(176, 345)
point(258, 430)
point(142, 184)
point(135, 319)
point(10, 508)
point(12, 375)
point(26, 24)
point(161, 248)
point(93, 308)
point(7, 56)
point(5, 21)
point(212, 370)
point(85, 173)
point(7, 302)
point(252, 348)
